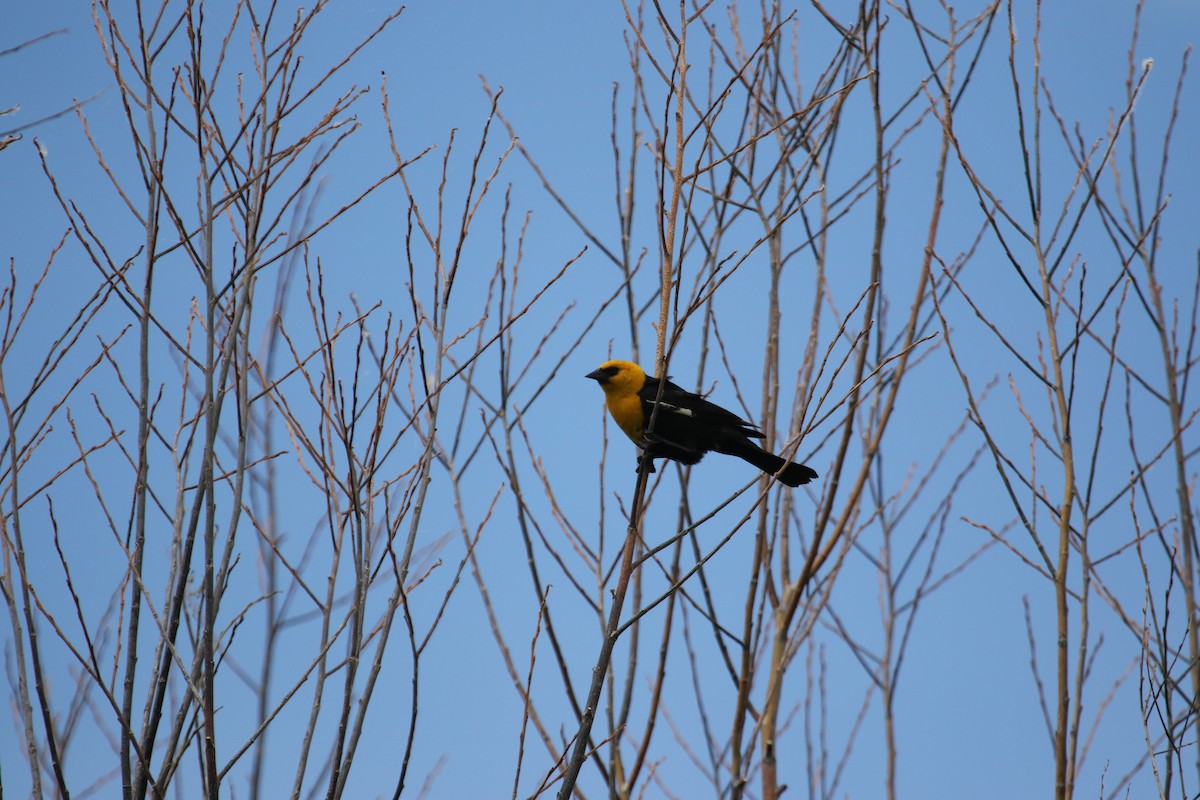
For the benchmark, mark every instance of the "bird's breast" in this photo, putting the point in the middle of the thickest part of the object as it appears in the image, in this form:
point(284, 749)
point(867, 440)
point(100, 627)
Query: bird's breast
point(627, 413)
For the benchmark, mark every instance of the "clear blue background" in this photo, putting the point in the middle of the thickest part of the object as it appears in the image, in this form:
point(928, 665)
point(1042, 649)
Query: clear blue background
point(969, 722)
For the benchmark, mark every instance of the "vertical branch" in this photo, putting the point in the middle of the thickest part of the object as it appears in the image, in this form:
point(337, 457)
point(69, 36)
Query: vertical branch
point(676, 170)
point(210, 407)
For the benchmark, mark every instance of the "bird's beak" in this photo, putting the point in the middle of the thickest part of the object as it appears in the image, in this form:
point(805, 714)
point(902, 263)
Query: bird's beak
point(597, 375)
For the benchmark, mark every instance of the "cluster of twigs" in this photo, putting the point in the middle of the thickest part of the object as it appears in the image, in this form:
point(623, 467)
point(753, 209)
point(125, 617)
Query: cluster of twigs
point(277, 481)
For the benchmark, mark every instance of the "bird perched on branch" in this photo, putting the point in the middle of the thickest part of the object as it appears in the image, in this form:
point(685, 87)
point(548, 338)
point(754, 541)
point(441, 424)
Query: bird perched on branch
point(687, 425)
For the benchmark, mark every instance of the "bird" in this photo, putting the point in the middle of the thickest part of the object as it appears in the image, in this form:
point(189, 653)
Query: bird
point(687, 425)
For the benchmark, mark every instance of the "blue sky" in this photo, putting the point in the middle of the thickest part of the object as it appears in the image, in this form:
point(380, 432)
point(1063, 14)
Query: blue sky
point(969, 721)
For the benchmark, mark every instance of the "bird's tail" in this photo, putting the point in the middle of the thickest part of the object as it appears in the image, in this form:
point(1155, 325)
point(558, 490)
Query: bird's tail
point(792, 475)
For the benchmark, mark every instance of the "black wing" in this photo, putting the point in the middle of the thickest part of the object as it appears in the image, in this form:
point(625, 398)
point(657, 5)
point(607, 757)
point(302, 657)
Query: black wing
point(680, 402)
point(688, 426)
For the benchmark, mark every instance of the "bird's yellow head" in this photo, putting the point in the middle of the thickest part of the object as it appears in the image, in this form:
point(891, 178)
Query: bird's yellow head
point(619, 378)
point(621, 382)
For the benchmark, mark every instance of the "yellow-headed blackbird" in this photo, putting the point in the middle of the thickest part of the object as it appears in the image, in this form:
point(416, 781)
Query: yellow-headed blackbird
point(687, 425)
